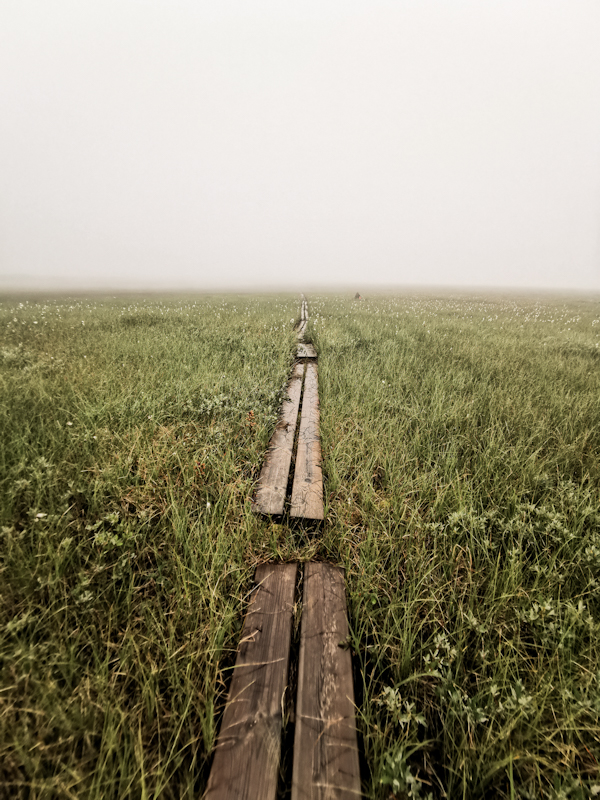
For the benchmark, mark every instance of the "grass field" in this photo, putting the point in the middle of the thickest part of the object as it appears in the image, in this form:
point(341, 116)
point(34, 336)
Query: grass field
point(461, 446)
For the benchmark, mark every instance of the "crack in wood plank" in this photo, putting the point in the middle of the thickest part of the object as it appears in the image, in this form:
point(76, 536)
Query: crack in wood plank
point(307, 488)
point(273, 480)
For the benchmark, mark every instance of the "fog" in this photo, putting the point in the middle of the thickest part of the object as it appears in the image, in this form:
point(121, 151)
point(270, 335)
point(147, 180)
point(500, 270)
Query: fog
point(199, 145)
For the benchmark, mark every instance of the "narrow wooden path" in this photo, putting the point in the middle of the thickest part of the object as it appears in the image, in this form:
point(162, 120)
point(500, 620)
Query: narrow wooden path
point(325, 753)
point(307, 487)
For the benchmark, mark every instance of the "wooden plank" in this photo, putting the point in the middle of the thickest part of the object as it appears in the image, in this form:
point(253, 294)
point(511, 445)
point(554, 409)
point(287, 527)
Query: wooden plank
point(301, 329)
point(307, 489)
point(306, 351)
point(326, 762)
point(246, 760)
point(273, 480)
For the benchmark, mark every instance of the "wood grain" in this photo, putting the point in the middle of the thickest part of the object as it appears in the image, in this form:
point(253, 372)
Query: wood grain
point(246, 760)
point(307, 488)
point(306, 351)
point(273, 480)
point(326, 763)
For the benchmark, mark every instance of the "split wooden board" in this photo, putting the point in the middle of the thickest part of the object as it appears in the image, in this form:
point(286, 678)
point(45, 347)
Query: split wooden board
point(273, 480)
point(326, 765)
point(307, 488)
point(246, 760)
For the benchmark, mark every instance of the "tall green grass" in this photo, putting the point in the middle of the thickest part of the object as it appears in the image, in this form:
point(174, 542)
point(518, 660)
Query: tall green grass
point(131, 434)
point(462, 483)
point(461, 445)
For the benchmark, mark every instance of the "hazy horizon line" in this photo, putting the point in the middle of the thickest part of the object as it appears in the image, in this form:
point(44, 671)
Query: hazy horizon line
point(324, 288)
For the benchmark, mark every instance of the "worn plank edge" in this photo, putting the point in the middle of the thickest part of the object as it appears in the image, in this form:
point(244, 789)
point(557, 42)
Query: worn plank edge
point(247, 754)
point(307, 486)
point(270, 494)
point(325, 762)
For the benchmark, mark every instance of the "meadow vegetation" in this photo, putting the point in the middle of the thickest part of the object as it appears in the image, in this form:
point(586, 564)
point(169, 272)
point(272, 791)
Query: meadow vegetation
point(462, 483)
point(132, 432)
point(461, 446)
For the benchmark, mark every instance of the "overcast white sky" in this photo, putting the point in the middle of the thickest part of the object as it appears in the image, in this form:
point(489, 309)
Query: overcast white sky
point(231, 143)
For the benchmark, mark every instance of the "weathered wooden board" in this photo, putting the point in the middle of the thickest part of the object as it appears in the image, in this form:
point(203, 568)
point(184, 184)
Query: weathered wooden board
point(307, 488)
point(273, 480)
point(246, 760)
point(301, 329)
point(306, 351)
point(326, 765)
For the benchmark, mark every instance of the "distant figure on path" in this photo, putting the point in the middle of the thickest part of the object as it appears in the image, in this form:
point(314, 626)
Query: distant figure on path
point(357, 296)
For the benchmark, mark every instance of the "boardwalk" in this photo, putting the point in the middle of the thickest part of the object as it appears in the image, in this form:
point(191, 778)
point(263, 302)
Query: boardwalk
point(325, 751)
point(295, 438)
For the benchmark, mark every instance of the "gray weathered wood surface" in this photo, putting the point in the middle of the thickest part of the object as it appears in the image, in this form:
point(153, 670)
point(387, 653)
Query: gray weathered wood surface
point(306, 351)
point(273, 480)
point(246, 760)
point(326, 765)
point(307, 488)
point(303, 319)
